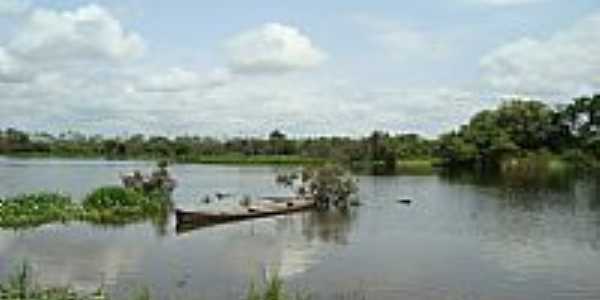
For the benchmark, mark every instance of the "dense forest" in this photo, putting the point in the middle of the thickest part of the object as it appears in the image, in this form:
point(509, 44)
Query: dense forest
point(516, 130)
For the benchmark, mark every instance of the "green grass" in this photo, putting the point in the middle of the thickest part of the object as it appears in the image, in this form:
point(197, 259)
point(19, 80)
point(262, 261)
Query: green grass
point(418, 165)
point(251, 159)
point(234, 159)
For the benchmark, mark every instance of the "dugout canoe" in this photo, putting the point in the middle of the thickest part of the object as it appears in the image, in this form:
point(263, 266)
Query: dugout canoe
point(261, 209)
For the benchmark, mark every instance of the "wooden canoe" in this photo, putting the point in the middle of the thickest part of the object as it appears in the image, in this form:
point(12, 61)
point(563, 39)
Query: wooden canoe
point(261, 209)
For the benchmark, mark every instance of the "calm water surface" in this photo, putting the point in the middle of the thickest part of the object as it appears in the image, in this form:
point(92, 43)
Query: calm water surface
point(464, 237)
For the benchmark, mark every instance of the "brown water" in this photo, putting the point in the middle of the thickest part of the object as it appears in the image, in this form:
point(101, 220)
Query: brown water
point(464, 237)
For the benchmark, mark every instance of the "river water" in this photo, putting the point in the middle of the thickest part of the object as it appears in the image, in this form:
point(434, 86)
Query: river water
point(465, 236)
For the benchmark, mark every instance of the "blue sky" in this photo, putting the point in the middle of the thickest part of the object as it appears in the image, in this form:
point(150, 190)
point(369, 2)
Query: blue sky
point(309, 68)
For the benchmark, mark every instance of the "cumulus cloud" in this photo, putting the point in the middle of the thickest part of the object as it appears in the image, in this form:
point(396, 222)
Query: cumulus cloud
point(566, 63)
point(87, 33)
point(272, 47)
point(13, 7)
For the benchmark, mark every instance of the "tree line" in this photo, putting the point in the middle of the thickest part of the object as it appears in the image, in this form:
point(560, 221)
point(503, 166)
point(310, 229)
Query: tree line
point(521, 129)
point(516, 129)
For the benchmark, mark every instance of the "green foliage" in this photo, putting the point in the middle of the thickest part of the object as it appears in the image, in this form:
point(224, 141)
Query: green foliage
point(329, 184)
point(106, 205)
point(380, 148)
point(517, 129)
point(36, 209)
point(111, 197)
point(512, 130)
point(114, 204)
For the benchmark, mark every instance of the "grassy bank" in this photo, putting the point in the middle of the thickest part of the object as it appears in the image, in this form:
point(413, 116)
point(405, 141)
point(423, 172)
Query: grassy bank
point(106, 205)
point(234, 159)
point(418, 165)
point(252, 159)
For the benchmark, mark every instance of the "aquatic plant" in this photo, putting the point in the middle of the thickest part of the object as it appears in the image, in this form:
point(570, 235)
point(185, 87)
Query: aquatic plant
point(106, 205)
point(21, 286)
point(114, 204)
point(36, 209)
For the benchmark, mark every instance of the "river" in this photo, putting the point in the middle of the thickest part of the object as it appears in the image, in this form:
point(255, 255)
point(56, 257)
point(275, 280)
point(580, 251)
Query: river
point(465, 236)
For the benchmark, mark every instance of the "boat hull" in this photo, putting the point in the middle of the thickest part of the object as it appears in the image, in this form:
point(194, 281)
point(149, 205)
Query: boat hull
point(195, 219)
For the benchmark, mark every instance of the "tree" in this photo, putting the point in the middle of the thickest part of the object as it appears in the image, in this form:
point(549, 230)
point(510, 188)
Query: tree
point(328, 185)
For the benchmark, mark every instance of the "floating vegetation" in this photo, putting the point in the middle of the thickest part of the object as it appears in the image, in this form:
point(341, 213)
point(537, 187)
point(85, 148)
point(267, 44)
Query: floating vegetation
point(36, 209)
point(118, 205)
point(105, 205)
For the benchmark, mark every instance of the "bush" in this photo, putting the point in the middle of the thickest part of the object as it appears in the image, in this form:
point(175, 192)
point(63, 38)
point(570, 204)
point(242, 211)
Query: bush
point(579, 159)
point(327, 185)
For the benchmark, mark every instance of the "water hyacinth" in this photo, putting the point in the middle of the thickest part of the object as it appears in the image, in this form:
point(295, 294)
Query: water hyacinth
point(36, 209)
point(118, 205)
point(105, 205)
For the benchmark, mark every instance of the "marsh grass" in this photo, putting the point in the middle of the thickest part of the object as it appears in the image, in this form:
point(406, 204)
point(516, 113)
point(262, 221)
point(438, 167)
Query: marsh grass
point(21, 286)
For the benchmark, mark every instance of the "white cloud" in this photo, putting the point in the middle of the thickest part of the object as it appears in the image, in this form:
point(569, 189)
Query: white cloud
point(13, 7)
point(272, 47)
point(506, 2)
point(11, 70)
point(87, 33)
point(173, 80)
point(566, 63)
point(74, 87)
point(401, 41)
point(176, 80)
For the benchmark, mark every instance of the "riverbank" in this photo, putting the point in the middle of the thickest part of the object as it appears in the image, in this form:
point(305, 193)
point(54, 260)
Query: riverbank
point(225, 159)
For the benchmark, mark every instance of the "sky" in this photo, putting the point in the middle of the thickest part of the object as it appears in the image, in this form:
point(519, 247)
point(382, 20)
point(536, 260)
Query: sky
point(243, 68)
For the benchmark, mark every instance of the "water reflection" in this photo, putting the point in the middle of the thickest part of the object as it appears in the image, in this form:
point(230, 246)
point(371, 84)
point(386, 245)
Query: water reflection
point(327, 226)
point(333, 226)
point(531, 180)
point(78, 256)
